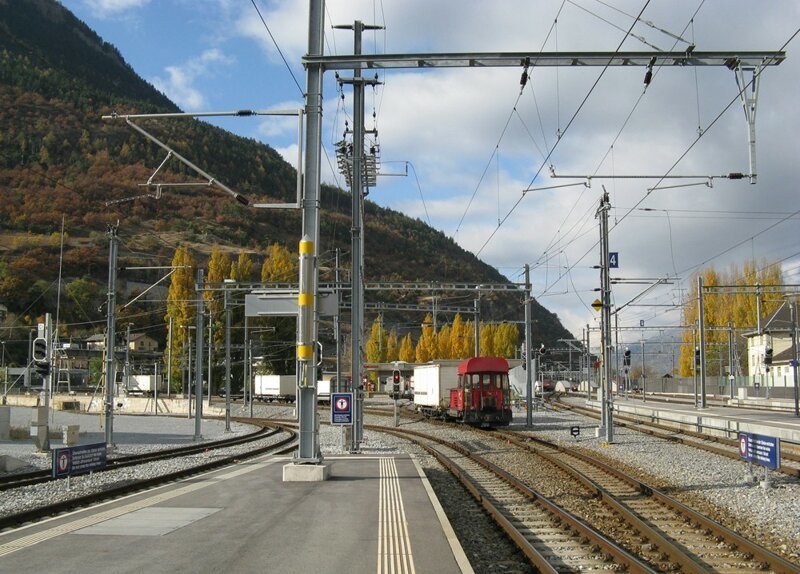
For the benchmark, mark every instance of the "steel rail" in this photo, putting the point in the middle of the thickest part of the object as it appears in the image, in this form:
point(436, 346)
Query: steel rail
point(545, 564)
point(18, 480)
point(557, 456)
point(283, 446)
point(679, 435)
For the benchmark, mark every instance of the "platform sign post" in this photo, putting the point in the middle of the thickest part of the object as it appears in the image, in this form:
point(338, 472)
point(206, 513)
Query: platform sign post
point(342, 409)
point(78, 460)
point(761, 449)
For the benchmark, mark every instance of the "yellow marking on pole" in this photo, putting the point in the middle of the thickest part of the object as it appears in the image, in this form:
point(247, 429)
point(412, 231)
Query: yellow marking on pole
point(303, 352)
point(306, 247)
point(305, 299)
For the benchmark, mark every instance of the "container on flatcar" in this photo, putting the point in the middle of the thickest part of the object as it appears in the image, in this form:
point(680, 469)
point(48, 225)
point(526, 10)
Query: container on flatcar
point(432, 384)
point(276, 388)
point(145, 385)
point(324, 391)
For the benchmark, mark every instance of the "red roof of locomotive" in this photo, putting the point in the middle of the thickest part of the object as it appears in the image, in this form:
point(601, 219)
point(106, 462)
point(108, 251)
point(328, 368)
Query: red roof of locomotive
point(483, 365)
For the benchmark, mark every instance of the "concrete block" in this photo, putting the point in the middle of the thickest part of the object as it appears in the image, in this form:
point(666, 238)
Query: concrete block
point(742, 392)
point(9, 463)
point(306, 472)
point(70, 433)
point(5, 423)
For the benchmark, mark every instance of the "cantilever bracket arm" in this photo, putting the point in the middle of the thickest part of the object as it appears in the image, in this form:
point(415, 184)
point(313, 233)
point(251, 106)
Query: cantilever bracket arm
point(170, 152)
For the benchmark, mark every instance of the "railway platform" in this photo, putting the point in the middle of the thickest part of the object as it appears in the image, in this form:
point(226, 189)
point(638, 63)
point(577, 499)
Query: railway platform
point(374, 514)
point(725, 421)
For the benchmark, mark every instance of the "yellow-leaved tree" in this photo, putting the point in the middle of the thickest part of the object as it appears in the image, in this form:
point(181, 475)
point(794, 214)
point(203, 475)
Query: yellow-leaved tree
point(181, 310)
point(376, 345)
point(407, 349)
point(426, 346)
point(279, 266)
point(737, 307)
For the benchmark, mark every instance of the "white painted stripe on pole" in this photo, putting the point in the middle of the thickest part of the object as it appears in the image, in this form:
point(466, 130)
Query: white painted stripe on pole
point(394, 544)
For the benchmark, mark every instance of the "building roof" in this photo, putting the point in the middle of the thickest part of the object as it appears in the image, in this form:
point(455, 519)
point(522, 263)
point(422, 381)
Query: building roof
point(779, 323)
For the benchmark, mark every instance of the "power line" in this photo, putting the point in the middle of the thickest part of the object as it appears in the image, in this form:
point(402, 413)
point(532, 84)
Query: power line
point(264, 22)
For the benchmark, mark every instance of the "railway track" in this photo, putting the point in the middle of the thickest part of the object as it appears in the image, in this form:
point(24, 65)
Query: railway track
point(688, 540)
point(281, 445)
point(728, 447)
point(18, 480)
point(553, 539)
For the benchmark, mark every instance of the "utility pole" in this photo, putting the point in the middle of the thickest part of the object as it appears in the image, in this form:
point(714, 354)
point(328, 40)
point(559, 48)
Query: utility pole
point(198, 359)
point(169, 358)
point(308, 450)
point(793, 313)
point(528, 348)
point(110, 336)
point(702, 342)
point(357, 189)
point(477, 328)
point(607, 405)
point(731, 359)
point(227, 360)
point(210, 348)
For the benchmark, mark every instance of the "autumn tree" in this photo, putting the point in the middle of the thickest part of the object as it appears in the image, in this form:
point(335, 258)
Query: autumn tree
point(279, 266)
point(487, 339)
point(242, 268)
point(376, 345)
point(219, 269)
point(392, 349)
point(407, 349)
point(181, 308)
point(740, 309)
point(505, 340)
point(426, 346)
point(443, 343)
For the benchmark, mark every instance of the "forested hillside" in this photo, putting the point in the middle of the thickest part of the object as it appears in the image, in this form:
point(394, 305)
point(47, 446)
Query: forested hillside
point(61, 164)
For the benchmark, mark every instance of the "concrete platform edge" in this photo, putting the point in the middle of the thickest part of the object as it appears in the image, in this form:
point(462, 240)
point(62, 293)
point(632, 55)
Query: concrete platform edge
point(452, 539)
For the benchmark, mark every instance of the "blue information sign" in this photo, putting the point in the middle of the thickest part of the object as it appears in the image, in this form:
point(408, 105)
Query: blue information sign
point(341, 408)
point(78, 459)
point(613, 260)
point(761, 449)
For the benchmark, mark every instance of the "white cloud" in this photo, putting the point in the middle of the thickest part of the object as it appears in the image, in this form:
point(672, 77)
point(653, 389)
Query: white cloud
point(109, 8)
point(180, 83)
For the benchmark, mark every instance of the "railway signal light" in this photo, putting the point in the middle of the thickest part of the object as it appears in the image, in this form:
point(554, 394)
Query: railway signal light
point(40, 362)
point(396, 382)
point(542, 349)
point(768, 356)
point(40, 349)
point(697, 356)
point(626, 360)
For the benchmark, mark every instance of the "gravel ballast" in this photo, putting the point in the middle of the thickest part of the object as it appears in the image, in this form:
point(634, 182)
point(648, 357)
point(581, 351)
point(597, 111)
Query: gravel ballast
point(715, 485)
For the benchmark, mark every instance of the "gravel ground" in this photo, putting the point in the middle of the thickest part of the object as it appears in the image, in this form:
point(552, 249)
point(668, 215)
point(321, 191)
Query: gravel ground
point(716, 485)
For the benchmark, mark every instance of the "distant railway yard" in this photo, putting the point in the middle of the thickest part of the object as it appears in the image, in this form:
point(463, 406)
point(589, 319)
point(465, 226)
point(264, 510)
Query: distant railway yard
point(544, 498)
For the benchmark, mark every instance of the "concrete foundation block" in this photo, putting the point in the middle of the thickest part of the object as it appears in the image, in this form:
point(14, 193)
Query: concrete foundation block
point(5, 423)
point(306, 472)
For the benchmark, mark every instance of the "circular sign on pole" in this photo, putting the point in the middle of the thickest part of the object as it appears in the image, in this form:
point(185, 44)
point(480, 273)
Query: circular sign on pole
point(743, 445)
point(63, 462)
point(342, 404)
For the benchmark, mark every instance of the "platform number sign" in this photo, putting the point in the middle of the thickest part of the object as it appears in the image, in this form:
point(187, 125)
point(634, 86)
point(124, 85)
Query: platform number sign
point(341, 408)
point(613, 260)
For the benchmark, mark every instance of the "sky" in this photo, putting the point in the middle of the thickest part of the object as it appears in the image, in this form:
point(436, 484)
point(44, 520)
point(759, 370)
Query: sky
point(459, 147)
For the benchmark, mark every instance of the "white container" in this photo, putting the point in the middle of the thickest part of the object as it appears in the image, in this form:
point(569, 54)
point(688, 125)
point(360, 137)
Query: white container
point(276, 387)
point(145, 385)
point(324, 391)
point(432, 384)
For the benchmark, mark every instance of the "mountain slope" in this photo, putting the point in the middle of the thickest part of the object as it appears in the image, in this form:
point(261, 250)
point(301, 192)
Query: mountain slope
point(58, 159)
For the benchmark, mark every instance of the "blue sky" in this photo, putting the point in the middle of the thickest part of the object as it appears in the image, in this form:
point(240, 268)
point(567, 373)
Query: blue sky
point(471, 151)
